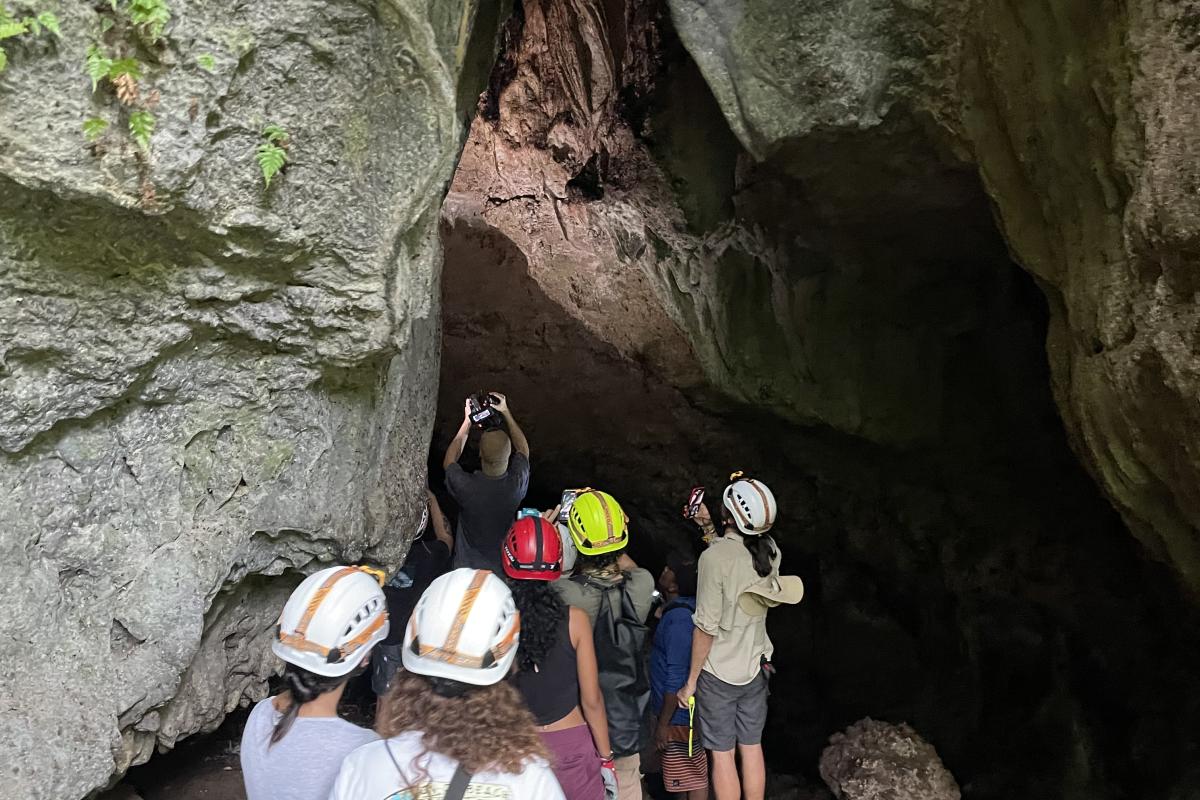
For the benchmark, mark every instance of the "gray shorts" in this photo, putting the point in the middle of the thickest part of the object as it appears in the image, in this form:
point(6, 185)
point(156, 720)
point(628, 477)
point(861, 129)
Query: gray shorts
point(731, 715)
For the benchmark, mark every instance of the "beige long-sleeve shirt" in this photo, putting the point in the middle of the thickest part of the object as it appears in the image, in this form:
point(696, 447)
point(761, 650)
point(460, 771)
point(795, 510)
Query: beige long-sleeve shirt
point(740, 640)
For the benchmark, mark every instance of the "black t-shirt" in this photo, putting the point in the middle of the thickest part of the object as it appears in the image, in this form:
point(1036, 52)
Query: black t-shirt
point(426, 561)
point(486, 510)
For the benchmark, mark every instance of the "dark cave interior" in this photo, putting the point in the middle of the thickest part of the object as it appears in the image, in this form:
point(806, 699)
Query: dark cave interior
point(963, 573)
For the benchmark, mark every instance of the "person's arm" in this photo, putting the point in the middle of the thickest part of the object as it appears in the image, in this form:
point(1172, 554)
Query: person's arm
point(625, 563)
point(677, 648)
point(591, 700)
point(459, 442)
point(519, 442)
point(441, 529)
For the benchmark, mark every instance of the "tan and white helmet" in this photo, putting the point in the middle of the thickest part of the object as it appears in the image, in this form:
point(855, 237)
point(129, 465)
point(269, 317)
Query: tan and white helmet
point(465, 628)
point(331, 621)
point(751, 504)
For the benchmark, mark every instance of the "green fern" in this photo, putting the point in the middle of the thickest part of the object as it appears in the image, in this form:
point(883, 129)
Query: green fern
point(271, 160)
point(94, 128)
point(125, 66)
point(151, 16)
point(207, 62)
point(13, 29)
point(272, 154)
point(275, 134)
point(98, 65)
point(141, 128)
point(50, 22)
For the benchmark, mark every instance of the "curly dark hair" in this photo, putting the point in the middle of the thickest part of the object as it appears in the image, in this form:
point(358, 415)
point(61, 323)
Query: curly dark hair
point(484, 728)
point(542, 612)
point(586, 563)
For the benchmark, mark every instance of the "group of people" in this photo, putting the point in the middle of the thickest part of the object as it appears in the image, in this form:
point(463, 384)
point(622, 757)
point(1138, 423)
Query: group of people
point(510, 658)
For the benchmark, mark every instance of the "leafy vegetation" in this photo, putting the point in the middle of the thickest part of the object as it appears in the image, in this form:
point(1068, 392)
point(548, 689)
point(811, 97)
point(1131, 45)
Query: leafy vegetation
point(12, 27)
point(272, 153)
point(207, 62)
point(150, 17)
point(141, 128)
point(94, 128)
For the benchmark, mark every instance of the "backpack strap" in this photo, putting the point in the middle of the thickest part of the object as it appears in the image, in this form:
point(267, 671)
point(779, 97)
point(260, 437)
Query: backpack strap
point(458, 784)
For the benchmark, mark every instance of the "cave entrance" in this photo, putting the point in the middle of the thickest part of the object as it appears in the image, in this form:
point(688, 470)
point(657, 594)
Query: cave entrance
point(884, 372)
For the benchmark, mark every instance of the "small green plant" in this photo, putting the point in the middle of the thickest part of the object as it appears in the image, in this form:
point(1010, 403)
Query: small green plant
point(207, 62)
point(141, 128)
point(12, 28)
point(97, 65)
point(272, 153)
point(94, 128)
point(150, 17)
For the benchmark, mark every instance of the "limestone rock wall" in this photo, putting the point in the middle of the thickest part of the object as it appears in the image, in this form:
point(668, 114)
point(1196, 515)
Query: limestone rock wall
point(1081, 121)
point(208, 388)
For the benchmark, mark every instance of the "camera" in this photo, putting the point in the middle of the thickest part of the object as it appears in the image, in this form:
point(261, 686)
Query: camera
point(483, 413)
point(568, 499)
point(692, 506)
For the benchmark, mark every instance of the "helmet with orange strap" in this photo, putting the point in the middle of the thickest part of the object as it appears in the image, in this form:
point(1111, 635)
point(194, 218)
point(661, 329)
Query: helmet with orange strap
point(465, 628)
point(331, 621)
point(597, 523)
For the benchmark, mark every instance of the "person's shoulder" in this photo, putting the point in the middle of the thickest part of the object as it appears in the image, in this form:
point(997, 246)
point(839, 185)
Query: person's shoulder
point(641, 581)
point(568, 589)
point(357, 733)
point(365, 754)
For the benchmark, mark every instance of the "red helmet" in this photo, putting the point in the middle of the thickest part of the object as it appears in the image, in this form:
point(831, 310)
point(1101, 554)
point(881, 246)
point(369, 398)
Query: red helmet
point(532, 550)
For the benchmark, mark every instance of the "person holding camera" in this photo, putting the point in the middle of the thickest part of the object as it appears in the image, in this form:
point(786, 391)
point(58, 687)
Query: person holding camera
point(487, 499)
point(738, 583)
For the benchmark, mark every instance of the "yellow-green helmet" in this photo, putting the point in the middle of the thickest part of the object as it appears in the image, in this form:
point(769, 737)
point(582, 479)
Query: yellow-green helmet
point(597, 523)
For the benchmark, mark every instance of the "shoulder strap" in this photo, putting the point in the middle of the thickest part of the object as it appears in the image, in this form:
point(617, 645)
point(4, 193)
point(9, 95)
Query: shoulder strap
point(458, 784)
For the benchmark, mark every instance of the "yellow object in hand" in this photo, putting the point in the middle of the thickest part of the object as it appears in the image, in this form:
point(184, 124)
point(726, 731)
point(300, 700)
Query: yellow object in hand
point(691, 722)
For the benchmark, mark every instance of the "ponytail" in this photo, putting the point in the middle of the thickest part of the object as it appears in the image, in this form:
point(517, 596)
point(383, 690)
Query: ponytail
point(303, 687)
point(762, 551)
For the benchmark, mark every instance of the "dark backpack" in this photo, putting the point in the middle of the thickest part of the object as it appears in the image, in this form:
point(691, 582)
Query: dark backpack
point(620, 655)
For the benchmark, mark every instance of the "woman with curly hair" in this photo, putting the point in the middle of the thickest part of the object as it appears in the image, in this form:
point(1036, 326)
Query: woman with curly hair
point(557, 672)
point(451, 726)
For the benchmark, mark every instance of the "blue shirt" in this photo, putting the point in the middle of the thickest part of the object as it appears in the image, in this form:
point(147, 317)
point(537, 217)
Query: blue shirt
point(671, 657)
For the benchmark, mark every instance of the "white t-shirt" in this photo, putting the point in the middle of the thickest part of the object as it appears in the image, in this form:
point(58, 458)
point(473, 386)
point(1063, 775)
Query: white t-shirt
point(369, 774)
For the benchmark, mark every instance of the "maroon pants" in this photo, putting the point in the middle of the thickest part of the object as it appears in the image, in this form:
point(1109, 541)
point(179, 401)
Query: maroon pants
point(576, 763)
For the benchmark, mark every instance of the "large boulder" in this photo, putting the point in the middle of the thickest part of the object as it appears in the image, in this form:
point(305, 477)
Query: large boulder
point(1081, 120)
point(208, 388)
point(875, 760)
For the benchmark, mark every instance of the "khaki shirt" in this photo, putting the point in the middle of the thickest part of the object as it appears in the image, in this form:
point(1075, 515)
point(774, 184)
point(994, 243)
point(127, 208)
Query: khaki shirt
point(740, 639)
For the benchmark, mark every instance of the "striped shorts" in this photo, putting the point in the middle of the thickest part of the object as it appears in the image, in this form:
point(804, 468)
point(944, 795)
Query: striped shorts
point(680, 773)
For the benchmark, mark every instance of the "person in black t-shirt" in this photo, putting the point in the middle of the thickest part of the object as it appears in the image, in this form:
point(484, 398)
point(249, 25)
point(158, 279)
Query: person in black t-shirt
point(427, 559)
point(487, 499)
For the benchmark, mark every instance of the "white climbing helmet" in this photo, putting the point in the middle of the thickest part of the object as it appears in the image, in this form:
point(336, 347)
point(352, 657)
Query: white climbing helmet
point(751, 504)
point(569, 552)
point(331, 621)
point(465, 628)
